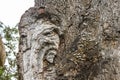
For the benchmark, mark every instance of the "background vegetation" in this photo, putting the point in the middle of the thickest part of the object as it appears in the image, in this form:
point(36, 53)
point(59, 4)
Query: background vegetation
point(10, 38)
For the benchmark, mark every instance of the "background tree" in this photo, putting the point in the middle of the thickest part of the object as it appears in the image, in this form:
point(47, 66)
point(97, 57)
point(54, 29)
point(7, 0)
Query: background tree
point(88, 37)
point(10, 39)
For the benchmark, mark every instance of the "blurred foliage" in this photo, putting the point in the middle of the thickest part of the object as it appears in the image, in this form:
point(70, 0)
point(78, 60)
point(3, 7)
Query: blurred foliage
point(10, 38)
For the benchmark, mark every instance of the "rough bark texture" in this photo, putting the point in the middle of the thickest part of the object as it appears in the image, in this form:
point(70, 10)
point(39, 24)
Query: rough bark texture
point(70, 40)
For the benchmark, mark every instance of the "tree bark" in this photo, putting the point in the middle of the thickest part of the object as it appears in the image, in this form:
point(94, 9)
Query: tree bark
point(2, 53)
point(70, 40)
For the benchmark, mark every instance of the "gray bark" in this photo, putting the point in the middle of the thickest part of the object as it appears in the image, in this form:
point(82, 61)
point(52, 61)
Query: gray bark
point(70, 40)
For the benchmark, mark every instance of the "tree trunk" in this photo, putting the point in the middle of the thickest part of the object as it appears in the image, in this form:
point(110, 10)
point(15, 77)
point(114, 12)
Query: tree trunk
point(70, 40)
point(2, 53)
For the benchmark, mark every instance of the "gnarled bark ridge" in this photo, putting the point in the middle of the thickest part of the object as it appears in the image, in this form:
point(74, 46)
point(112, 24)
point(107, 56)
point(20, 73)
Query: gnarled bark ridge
point(70, 40)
